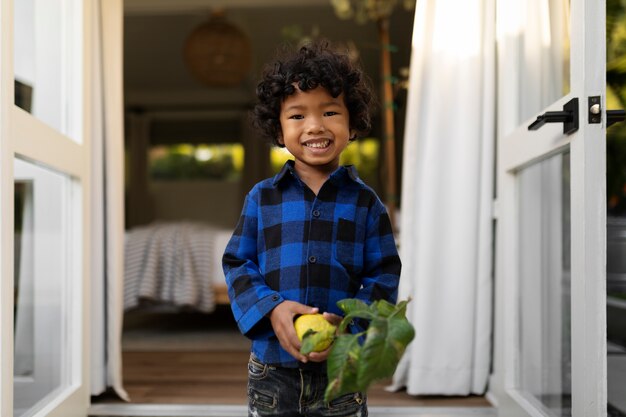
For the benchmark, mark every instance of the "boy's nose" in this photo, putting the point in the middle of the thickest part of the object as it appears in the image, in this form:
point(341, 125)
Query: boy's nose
point(315, 126)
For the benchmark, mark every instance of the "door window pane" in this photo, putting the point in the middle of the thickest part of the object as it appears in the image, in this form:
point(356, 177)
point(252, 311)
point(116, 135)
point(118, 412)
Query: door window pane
point(42, 284)
point(541, 31)
point(47, 61)
point(544, 282)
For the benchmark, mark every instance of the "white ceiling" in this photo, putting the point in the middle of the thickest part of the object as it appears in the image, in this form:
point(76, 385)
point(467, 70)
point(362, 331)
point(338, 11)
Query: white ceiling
point(155, 32)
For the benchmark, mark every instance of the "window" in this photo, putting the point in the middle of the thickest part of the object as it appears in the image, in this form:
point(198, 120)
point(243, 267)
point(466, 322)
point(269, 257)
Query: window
point(196, 162)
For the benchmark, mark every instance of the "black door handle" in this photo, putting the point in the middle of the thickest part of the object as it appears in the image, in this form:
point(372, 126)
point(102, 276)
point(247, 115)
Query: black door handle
point(568, 116)
point(614, 116)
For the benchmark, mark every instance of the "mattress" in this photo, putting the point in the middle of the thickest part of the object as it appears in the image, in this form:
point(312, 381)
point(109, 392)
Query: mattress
point(177, 263)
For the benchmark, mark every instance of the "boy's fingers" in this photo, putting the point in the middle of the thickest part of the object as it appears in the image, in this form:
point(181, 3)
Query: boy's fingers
point(291, 343)
point(334, 319)
point(296, 308)
point(294, 350)
point(319, 356)
point(296, 344)
point(304, 309)
point(286, 333)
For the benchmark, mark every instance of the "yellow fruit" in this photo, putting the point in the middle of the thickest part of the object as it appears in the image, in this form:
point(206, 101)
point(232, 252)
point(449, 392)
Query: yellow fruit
point(316, 323)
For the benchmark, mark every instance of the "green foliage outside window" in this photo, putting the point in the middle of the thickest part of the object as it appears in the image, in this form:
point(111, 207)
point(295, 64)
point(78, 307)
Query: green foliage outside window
point(196, 162)
point(362, 153)
point(616, 99)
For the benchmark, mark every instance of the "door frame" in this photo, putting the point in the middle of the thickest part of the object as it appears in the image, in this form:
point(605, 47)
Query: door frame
point(23, 134)
point(6, 210)
point(588, 227)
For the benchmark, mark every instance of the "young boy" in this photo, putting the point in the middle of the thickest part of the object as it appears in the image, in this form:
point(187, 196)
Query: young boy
point(310, 236)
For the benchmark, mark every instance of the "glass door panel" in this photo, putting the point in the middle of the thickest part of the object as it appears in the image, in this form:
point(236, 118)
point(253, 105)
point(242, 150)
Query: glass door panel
point(550, 357)
point(542, 27)
point(545, 287)
point(43, 279)
point(46, 62)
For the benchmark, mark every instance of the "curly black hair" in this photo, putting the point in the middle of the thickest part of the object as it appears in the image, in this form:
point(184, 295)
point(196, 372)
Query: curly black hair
point(313, 65)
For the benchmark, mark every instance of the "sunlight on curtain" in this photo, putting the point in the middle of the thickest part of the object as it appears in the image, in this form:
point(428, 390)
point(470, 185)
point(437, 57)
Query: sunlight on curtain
point(456, 43)
point(445, 233)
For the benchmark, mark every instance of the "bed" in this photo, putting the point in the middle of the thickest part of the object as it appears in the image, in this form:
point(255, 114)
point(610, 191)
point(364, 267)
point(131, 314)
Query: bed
point(176, 263)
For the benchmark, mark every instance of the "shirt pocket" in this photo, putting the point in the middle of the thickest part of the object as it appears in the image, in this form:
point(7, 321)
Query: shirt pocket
point(349, 245)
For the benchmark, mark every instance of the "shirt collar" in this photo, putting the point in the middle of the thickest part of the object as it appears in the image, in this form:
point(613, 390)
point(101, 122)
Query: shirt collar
point(344, 172)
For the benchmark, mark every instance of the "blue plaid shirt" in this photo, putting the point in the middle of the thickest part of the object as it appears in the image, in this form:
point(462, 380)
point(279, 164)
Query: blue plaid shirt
point(290, 244)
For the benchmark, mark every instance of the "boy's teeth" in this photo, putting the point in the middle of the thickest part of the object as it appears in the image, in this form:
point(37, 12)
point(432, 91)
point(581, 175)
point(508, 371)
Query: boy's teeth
point(318, 144)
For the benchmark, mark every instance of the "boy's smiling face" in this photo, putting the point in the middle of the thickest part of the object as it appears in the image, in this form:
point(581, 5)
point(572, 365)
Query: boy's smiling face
point(315, 128)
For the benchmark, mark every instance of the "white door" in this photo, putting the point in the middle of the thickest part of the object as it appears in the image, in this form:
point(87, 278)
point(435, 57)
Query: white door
point(44, 206)
point(550, 357)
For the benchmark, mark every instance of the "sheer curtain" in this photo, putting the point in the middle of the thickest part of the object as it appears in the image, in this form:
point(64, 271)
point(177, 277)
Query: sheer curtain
point(108, 198)
point(447, 194)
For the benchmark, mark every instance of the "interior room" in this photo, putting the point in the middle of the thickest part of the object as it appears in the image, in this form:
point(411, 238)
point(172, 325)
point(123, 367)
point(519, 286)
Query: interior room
point(191, 156)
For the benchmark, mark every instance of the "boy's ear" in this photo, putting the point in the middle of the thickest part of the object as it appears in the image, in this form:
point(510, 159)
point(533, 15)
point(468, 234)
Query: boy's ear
point(280, 140)
point(352, 134)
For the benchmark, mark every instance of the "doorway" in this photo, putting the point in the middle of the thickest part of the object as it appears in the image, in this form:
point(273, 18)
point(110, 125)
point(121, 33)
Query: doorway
point(190, 159)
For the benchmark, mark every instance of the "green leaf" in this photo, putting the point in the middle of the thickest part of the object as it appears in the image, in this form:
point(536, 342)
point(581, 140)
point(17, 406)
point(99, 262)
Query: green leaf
point(401, 308)
point(384, 345)
point(352, 367)
point(384, 308)
point(347, 320)
point(354, 308)
point(342, 367)
point(352, 305)
point(311, 338)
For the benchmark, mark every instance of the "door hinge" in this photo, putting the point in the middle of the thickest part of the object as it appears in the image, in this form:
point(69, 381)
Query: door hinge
point(495, 209)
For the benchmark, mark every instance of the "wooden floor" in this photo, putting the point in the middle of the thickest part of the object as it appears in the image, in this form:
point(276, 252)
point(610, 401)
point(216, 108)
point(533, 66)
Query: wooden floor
point(202, 359)
point(220, 377)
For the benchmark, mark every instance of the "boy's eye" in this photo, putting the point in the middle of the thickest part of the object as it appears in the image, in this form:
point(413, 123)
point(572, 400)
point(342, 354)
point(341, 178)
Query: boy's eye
point(330, 113)
point(296, 117)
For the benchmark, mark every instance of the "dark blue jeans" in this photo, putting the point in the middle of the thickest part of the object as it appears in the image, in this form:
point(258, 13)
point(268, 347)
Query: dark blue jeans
point(288, 392)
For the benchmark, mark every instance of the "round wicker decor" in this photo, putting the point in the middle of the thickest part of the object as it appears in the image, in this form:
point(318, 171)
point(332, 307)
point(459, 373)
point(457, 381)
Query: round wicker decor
point(217, 53)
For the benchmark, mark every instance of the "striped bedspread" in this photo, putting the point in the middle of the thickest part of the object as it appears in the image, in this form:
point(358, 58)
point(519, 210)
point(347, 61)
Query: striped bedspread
point(176, 263)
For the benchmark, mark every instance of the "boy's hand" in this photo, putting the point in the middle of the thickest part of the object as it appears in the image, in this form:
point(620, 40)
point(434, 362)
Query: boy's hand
point(282, 317)
point(322, 356)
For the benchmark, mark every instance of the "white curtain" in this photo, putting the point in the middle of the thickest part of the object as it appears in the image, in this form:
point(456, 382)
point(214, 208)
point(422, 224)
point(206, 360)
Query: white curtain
point(447, 194)
point(108, 198)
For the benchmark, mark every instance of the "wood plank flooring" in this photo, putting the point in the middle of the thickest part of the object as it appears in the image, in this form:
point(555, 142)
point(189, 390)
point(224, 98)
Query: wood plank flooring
point(220, 377)
point(202, 359)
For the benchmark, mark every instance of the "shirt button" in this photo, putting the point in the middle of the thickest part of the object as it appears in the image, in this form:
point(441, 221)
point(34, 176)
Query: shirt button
point(316, 213)
point(312, 259)
point(275, 297)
